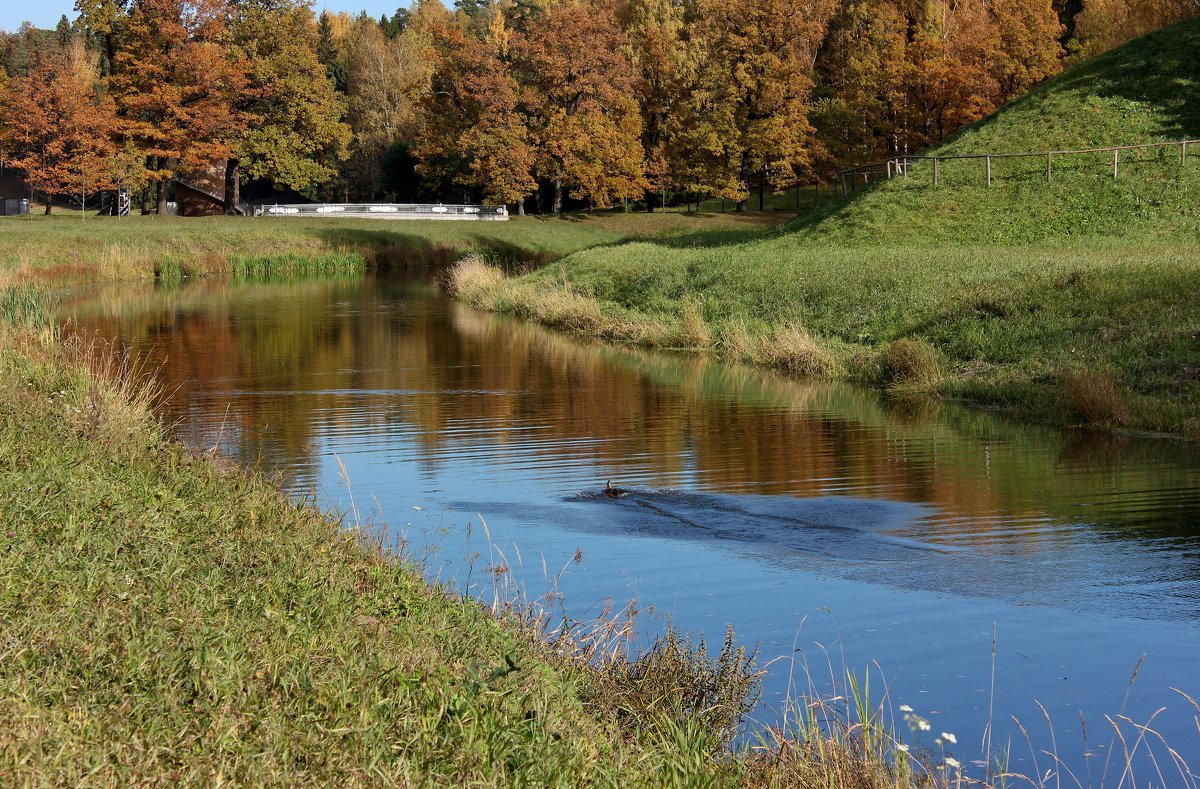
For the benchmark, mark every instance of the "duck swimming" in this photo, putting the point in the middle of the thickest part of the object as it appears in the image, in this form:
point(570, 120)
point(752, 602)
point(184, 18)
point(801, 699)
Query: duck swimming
point(614, 493)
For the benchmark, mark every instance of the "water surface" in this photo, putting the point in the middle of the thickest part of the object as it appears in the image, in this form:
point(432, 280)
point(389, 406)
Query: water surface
point(830, 526)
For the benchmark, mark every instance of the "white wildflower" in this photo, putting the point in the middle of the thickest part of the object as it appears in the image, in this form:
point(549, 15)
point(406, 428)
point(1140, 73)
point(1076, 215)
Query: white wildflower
point(902, 748)
point(950, 738)
point(905, 708)
point(952, 763)
point(418, 509)
point(924, 725)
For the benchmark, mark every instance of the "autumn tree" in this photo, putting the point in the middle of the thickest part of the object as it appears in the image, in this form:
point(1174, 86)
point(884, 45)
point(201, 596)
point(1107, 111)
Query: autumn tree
point(664, 72)
point(951, 75)
point(748, 113)
point(105, 19)
point(298, 136)
point(386, 78)
point(1104, 24)
point(577, 90)
point(474, 134)
point(56, 125)
point(1031, 52)
point(897, 75)
point(177, 81)
point(861, 114)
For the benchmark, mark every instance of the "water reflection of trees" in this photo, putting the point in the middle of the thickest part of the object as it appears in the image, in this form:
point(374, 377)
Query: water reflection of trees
point(328, 357)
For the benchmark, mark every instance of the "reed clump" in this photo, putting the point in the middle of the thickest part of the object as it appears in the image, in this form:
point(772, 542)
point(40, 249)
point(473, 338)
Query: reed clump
point(677, 680)
point(28, 308)
point(564, 309)
point(909, 366)
point(1095, 396)
point(474, 281)
point(790, 348)
point(694, 330)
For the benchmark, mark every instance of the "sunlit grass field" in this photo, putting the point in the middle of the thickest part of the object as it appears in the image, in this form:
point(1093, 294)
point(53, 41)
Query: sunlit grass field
point(70, 247)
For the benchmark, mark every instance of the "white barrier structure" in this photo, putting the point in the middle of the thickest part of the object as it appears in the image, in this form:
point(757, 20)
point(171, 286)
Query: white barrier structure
point(485, 213)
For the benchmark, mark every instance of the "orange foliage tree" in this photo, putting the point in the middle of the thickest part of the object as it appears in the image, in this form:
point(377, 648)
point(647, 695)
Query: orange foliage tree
point(664, 70)
point(1104, 24)
point(474, 133)
point(577, 91)
point(898, 75)
point(176, 80)
point(57, 125)
point(748, 109)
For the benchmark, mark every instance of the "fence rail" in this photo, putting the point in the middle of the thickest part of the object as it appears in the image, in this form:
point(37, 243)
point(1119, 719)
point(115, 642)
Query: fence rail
point(385, 211)
point(898, 166)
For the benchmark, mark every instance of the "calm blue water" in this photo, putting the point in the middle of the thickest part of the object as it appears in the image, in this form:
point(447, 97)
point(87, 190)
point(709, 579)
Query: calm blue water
point(834, 529)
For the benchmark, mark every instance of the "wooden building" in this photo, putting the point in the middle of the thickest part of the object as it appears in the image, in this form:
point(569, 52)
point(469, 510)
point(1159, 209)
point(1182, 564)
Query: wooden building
point(200, 191)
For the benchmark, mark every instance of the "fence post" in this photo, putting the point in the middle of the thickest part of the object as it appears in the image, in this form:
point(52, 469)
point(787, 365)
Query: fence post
point(843, 177)
point(1183, 154)
point(1116, 155)
point(1048, 165)
point(935, 171)
point(988, 159)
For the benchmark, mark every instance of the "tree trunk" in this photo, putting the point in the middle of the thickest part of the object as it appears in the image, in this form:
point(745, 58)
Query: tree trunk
point(649, 202)
point(521, 207)
point(111, 49)
point(556, 209)
point(744, 177)
point(48, 206)
point(233, 188)
point(762, 185)
point(164, 185)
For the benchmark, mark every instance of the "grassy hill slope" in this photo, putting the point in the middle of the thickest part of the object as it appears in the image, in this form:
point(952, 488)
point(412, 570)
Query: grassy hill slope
point(1076, 299)
point(1146, 91)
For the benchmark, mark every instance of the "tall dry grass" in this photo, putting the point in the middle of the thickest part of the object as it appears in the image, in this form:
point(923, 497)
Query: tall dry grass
point(1095, 396)
point(789, 347)
point(909, 366)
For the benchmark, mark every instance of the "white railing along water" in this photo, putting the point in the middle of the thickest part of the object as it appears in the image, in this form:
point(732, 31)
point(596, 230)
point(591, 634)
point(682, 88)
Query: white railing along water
point(491, 213)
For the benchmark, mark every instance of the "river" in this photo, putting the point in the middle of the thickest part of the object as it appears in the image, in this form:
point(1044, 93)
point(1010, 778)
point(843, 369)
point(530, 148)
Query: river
point(835, 529)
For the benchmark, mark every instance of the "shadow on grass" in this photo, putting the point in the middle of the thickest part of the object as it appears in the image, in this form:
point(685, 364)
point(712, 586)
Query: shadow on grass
point(388, 249)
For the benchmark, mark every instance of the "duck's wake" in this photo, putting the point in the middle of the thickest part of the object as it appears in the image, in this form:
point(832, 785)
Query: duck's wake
point(845, 528)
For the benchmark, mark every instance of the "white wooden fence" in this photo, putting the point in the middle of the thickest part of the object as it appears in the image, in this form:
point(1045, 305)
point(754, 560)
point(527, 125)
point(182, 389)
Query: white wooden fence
point(898, 166)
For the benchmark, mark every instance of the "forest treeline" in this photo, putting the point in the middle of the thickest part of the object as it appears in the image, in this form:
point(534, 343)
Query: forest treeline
point(509, 101)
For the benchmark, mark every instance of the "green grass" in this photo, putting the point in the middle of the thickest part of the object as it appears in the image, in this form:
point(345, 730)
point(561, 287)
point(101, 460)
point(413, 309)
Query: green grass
point(1042, 297)
point(63, 249)
point(267, 268)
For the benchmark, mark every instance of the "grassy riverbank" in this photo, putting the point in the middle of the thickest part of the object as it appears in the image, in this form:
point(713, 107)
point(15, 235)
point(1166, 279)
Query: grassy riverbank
point(169, 617)
point(65, 248)
point(1072, 299)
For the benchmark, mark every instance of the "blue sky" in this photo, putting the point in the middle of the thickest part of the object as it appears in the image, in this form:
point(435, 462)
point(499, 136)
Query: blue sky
point(45, 13)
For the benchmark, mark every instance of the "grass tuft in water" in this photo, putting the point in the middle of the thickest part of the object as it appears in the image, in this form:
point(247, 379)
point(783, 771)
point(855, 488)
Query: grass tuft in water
point(260, 268)
point(28, 308)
